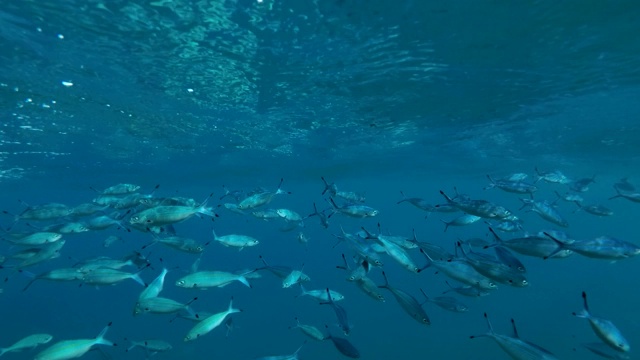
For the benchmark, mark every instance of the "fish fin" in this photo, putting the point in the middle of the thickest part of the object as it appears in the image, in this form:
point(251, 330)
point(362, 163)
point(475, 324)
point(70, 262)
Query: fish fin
point(515, 329)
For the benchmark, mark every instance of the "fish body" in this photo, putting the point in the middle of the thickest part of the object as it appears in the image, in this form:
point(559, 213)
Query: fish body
point(209, 323)
point(207, 279)
point(603, 328)
point(517, 187)
point(106, 276)
point(182, 244)
point(354, 210)
point(87, 209)
point(517, 348)
point(321, 294)
point(481, 208)
point(596, 209)
point(546, 211)
point(554, 177)
point(462, 220)
point(37, 238)
point(309, 330)
point(407, 302)
point(233, 240)
point(462, 271)
point(169, 214)
point(71, 349)
point(120, 189)
point(28, 342)
point(151, 345)
point(160, 305)
point(420, 203)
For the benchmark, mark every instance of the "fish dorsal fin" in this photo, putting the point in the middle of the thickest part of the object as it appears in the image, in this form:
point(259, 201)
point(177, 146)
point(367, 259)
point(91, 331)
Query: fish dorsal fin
point(584, 298)
point(486, 317)
point(515, 329)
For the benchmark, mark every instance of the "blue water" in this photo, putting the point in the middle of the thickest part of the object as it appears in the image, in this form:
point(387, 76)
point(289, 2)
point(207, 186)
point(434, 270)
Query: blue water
point(379, 97)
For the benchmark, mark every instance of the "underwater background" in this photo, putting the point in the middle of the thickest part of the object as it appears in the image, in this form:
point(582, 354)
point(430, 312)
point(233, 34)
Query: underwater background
point(377, 96)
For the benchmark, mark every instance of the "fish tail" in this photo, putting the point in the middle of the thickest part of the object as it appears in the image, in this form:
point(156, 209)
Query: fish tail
point(446, 225)
point(244, 281)
point(100, 338)
point(207, 211)
point(138, 279)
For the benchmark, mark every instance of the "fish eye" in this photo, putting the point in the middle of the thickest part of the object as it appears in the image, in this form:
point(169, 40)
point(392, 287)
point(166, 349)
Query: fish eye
point(425, 321)
point(199, 248)
point(180, 282)
point(135, 218)
point(525, 282)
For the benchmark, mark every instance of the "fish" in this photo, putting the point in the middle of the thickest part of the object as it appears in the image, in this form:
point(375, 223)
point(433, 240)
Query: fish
point(207, 279)
point(603, 328)
point(36, 238)
point(420, 203)
point(209, 323)
point(62, 274)
point(447, 302)
point(466, 290)
point(462, 220)
point(554, 177)
point(396, 251)
point(309, 330)
point(233, 240)
point(624, 185)
point(603, 247)
point(170, 214)
point(261, 198)
point(546, 211)
point(161, 305)
point(407, 302)
point(517, 348)
point(582, 185)
point(155, 287)
point(151, 346)
point(481, 208)
point(629, 195)
point(353, 210)
point(461, 270)
point(536, 246)
point(293, 356)
point(28, 342)
point(107, 276)
point(605, 351)
point(344, 346)
point(118, 189)
point(71, 349)
point(595, 209)
point(324, 219)
point(295, 277)
point(349, 196)
point(517, 187)
point(321, 294)
point(341, 313)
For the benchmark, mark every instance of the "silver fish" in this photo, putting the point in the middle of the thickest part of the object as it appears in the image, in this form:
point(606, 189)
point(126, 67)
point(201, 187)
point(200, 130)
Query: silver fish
point(604, 328)
point(517, 348)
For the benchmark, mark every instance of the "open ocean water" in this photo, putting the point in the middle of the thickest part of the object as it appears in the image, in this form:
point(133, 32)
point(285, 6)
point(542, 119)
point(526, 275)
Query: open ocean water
point(375, 96)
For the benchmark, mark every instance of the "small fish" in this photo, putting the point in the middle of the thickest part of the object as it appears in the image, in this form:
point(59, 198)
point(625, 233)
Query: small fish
point(605, 351)
point(466, 290)
point(517, 187)
point(629, 195)
point(170, 214)
point(261, 198)
point(420, 203)
point(341, 314)
point(604, 328)
point(295, 277)
point(482, 208)
point(152, 346)
point(70, 349)
point(343, 345)
point(28, 342)
point(324, 219)
point(514, 346)
point(311, 331)
point(111, 240)
point(546, 211)
point(582, 185)
point(207, 279)
point(118, 189)
point(302, 238)
point(447, 302)
point(161, 305)
point(407, 302)
point(233, 240)
point(354, 210)
point(461, 220)
point(209, 323)
point(595, 209)
point(623, 185)
point(321, 295)
point(554, 177)
point(293, 356)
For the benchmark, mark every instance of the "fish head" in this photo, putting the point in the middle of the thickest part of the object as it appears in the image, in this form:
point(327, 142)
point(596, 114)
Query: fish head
point(181, 283)
point(372, 213)
point(254, 242)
